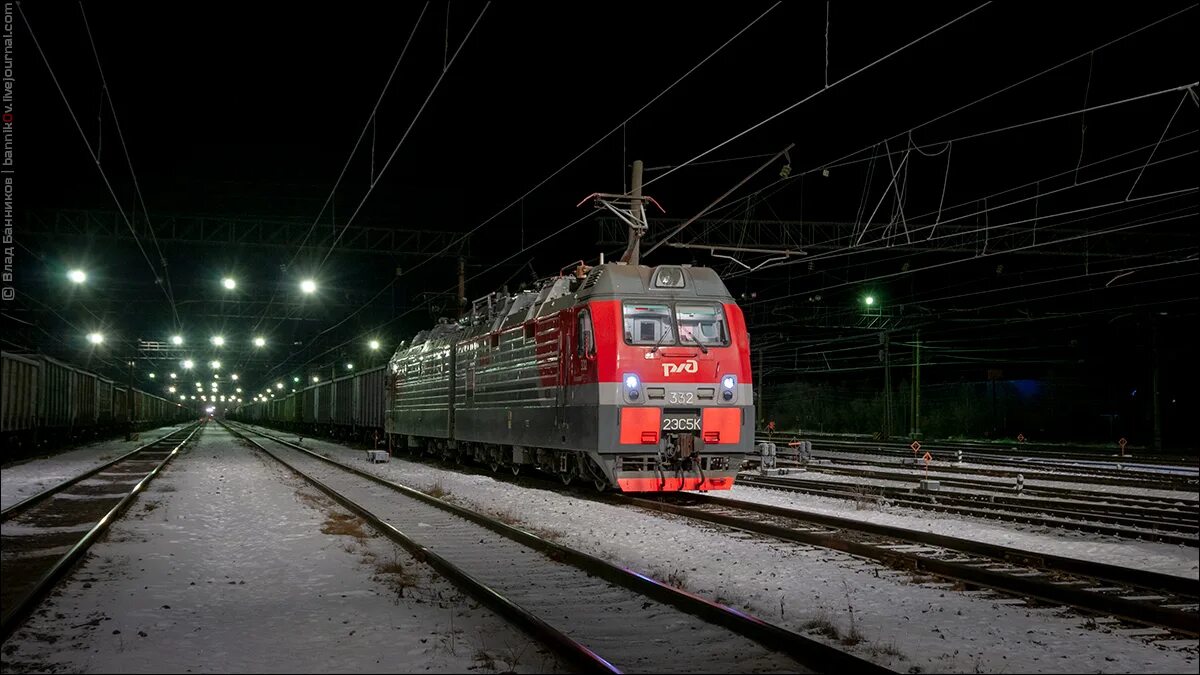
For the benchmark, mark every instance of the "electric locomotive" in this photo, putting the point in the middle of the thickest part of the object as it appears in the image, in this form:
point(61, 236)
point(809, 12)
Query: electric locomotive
point(628, 376)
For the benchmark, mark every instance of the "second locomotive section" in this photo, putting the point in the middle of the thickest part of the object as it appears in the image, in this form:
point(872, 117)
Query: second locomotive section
point(626, 376)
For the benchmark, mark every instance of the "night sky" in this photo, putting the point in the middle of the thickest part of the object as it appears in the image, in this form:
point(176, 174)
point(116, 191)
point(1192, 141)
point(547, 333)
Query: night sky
point(251, 112)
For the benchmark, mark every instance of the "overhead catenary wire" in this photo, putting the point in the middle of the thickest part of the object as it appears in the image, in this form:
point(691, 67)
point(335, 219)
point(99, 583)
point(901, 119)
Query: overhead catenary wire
point(841, 160)
point(817, 93)
point(392, 156)
point(1090, 271)
point(684, 164)
point(362, 134)
point(784, 183)
point(1124, 271)
point(620, 126)
point(1187, 88)
point(858, 250)
point(520, 199)
point(1085, 235)
point(129, 160)
point(404, 137)
point(94, 156)
point(369, 124)
point(563, 229)
point(945, 148)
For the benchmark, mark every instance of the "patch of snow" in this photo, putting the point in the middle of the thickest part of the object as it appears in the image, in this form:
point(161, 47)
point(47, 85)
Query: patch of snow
point(38, 474)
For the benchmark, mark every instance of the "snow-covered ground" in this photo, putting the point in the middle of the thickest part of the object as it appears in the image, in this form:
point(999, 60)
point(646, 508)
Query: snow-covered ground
point(32, 476)
point(900, 622)
point(1030, 464)
point(1081, 484)
point(1181, 561)
point(228, 563)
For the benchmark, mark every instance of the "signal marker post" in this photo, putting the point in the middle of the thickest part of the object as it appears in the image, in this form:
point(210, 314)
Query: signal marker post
point(926, 484)
point(915, 445)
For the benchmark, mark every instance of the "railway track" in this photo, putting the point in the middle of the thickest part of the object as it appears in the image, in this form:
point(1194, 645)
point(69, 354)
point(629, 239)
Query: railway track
point(1082, 468)
point(1129, 595)
point(597, 615)
point(938, 469)
point(997, 486)
point(46, 534)
point(1180, 516)
point(1002, 452)
point(1182, 531)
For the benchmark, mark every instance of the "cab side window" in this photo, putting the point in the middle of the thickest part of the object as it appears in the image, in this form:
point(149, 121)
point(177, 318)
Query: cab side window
point(585, 342)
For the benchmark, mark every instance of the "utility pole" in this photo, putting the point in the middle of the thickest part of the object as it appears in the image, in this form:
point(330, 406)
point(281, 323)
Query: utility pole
point(758, 399)
point(633, 251)
point(129, 403)
point(917, 390)
point(994, 430)
point(885, 338)
point(462, 286)
point(1154, 383)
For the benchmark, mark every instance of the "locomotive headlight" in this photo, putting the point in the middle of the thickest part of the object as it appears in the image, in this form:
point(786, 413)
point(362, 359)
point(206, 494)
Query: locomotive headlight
point(633, 386)
point(728, 387)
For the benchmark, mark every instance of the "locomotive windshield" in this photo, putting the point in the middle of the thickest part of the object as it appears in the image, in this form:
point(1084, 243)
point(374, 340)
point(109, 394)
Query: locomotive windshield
point(704, 324)
point(655, 324)
point(648, 324)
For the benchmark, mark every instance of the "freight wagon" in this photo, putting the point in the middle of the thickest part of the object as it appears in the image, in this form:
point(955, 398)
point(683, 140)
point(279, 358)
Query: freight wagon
point(46, 402)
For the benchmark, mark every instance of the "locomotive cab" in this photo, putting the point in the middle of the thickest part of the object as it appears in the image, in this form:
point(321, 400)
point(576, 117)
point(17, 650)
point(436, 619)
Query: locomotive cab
point(626, 376)
point(672, 376)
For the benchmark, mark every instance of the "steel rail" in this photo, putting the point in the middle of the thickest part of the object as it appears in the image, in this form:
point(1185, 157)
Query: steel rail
point(16, 615)
point(1010, 515)
point(34, 499)
point(1129, 610)
point(805, 650)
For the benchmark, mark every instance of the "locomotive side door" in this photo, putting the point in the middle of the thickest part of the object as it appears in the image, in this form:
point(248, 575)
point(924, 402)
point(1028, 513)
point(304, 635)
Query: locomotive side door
point(583, 349)
point(560, 371)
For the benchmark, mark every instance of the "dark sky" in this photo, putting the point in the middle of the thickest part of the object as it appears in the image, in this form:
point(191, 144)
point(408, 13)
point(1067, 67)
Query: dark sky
point(233, 109)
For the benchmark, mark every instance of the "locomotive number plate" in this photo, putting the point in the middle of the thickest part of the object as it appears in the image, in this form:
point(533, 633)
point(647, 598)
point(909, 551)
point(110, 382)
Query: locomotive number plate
point(685, 397)
point(681, 423)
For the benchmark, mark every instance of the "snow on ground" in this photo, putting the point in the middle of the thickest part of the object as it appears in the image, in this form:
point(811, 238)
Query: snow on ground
point(228, 563)
point(903, 624)
point(1181, 561)
point(1031, 465)
point(816, 476)
point(1114, 490)
point(27, 478)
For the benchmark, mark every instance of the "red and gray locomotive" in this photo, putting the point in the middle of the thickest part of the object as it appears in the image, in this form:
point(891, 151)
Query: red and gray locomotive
point(623, 375)
point(626, 376)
